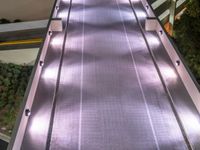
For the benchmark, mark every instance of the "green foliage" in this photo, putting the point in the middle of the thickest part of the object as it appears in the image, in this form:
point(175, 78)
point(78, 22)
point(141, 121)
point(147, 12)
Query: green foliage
point(13, 82)
point(193, 8)
point(187, 35)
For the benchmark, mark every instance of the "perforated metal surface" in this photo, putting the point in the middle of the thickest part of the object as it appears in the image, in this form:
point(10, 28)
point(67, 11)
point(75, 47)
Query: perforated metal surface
point(110, 96)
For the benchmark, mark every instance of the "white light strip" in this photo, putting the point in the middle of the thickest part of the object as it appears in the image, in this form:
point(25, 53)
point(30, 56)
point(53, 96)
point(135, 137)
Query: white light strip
point(163, 15)
point(180, 2)
point(157, 3)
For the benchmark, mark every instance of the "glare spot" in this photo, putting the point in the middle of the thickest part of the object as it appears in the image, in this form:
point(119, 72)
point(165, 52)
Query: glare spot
point(141, 14)
point(38, 125)
point(56, 41)
point(153, 40)
point(65, 1)
point(63, 14)
point(191, 122)
point(168, 72)
point(50, 73)
point(135, 1)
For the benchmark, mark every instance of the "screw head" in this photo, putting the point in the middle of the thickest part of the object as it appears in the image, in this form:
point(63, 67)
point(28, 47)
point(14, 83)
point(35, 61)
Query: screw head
point(41, 63)
point(57, 7)
point(178, 63)
point(27, 112)
point(50, 33)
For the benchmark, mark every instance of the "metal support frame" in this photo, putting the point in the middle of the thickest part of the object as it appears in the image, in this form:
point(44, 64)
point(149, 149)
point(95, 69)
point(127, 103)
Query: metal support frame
point(151, 24)
point(56, 25)
point(172, 13)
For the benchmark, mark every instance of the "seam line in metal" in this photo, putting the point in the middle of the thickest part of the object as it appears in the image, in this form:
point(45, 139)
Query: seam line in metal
point(138, 78)
point(48, 142)
point(81, 85)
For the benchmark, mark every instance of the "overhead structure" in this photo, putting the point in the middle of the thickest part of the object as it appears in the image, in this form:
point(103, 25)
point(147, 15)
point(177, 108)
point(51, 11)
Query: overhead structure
point(108, 78)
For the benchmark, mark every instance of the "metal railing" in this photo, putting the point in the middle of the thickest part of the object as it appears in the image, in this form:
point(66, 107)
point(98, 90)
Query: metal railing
point(184, 72)
point(20, 126)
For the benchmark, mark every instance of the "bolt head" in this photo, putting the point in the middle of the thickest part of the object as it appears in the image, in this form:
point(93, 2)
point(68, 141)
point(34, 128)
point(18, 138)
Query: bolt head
point(178, 63)
point(27, 112)
point(41, 63)
point(50, 33)
point(57, 7)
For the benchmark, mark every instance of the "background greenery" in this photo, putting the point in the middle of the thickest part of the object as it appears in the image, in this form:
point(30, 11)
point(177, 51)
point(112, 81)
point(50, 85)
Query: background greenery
point(187, 36)
point(13, 83)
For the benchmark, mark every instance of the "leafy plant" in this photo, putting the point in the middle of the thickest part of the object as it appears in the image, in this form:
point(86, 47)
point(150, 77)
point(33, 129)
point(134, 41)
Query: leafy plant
point(13, 82)
point(187, 36)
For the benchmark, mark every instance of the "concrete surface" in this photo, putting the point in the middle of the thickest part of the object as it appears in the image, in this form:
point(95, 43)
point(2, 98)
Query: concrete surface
point(21, 56)
point(25, 9)
point(20, 26)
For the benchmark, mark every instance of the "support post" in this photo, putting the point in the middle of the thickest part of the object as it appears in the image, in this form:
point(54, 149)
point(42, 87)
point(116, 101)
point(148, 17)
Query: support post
point(172, 13)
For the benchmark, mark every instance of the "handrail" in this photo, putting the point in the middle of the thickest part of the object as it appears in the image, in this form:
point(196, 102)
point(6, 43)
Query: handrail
point(183, 70)
point(171, 101)
point(20, 125)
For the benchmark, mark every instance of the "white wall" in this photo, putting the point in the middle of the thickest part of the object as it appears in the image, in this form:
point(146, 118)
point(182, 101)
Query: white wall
point(29, 25)
point(26, 9)
point(22, 56)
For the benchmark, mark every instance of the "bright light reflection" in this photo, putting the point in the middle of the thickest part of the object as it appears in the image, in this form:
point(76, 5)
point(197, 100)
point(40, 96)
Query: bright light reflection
point(56, 41)
point(152, 75)
point(141, 14)
point(191, 123)
point(123, 2)
point(135, 1)
point(38, 125)
point(168, 72)
point(65, 1)
point(63, 14)
point(153, 40)
point(50, 73)
point(127, 16)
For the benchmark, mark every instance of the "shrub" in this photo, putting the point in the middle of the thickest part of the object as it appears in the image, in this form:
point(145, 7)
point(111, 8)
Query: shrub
point(187, 36)
point(13, 82)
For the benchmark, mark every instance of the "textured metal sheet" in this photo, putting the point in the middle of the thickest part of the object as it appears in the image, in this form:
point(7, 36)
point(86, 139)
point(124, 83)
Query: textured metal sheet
point(184, 105)
point(110, 96)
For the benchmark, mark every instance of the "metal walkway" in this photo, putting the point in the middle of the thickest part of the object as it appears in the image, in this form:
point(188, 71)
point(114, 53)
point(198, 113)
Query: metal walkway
point(106, 84)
